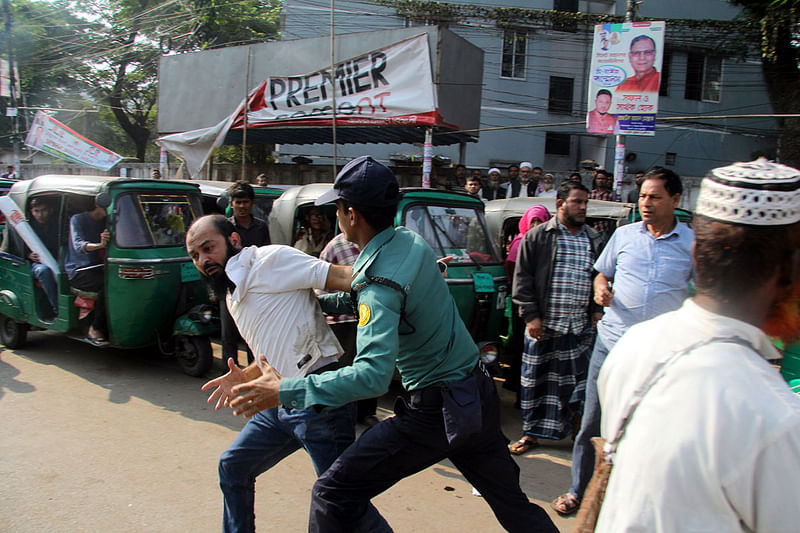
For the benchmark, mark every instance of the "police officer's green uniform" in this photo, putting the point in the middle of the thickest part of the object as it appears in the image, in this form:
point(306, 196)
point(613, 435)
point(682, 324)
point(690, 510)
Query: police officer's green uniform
point(408, 320)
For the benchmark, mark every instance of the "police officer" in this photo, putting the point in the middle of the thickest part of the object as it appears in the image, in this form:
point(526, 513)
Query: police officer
point(406, 319)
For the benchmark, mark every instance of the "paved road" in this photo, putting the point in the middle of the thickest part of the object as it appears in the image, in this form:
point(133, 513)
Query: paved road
point(121, 441)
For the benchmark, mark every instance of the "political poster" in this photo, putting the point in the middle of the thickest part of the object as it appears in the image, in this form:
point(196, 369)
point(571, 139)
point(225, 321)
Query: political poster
point(388, 86)
point(625, 77)
point(52, 137)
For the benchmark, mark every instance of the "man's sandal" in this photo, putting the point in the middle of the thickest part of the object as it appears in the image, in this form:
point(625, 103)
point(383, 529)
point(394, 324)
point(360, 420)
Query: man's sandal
point(566, 504)
point(523, 445)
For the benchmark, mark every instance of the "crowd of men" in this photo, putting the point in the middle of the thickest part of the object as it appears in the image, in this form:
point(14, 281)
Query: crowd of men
point(702, 431)
point(524, 180)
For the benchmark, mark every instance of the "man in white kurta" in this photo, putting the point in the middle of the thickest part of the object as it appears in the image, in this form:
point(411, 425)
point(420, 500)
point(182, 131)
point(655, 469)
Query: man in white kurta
point(714, 444)
point(270, 294)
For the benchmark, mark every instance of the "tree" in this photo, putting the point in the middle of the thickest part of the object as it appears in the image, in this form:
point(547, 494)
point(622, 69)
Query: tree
point(779, 21)
point(133, 33)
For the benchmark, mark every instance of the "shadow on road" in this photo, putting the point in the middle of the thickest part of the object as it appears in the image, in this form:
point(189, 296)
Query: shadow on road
point(126, 374)
point(8, 381)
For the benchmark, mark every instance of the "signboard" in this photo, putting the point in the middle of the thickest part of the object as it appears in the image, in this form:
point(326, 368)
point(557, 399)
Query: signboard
point(391, 85)
point(625, 77)
point(52, 137)
point(5, 83)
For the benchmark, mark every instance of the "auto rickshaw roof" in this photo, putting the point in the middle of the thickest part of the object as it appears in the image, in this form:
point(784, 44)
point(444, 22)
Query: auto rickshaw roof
point(511, 207)
point(218, 188)
point(82, 185)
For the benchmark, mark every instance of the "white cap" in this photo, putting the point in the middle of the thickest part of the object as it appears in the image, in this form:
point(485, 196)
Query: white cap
point(755, 193)
point(526, 164)
point(494, 169)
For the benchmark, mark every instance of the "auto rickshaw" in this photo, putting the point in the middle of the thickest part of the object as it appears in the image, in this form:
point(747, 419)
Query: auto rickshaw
point(502, 216)
point(453, 224)
point(154, 294)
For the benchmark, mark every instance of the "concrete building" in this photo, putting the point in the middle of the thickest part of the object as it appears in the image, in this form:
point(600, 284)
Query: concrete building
point(535, 78)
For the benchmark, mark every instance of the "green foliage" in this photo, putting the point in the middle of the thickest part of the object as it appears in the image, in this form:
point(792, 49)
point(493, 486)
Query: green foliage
point(104, 54)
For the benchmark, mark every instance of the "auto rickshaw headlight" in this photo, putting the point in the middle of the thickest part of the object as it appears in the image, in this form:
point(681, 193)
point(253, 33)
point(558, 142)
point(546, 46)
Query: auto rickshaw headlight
point(489, 353)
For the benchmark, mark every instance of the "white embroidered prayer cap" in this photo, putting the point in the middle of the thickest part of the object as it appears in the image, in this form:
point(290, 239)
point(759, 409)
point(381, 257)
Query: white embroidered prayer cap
point(756, 193)
point(526, 164)
point(494, 170)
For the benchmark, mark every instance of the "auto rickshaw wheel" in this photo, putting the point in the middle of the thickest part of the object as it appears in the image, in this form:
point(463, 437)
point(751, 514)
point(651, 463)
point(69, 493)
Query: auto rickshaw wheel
point(194, 354)
point(12, 333)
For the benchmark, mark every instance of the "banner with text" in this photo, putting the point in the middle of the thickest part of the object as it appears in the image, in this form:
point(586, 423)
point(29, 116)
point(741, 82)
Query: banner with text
point(52, 137)
point(388, 86)
point(625, 78)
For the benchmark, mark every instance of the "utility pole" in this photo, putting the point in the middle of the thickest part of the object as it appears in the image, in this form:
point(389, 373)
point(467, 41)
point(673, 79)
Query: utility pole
point(12, 87)
point(619, 151)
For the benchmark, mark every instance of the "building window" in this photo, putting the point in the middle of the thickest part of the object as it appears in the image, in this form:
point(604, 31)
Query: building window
point(703, 77)
point(560, 95)
point(514, 49)
point(669, 159)
point(666, 70)
point(570, 6)
point(556, 143)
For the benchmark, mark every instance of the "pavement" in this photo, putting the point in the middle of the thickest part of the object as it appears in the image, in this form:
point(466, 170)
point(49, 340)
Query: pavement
point(121, 441)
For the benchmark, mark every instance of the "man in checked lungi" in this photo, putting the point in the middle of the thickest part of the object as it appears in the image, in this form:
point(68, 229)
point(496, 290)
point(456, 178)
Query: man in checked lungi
point(553, 289)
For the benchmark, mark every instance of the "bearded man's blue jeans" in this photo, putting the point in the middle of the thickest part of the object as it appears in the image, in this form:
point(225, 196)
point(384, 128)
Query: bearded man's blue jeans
point(267, 438)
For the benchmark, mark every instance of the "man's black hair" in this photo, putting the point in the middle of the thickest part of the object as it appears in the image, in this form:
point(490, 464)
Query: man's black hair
point(223, 226)
point(672, 182)
point(472, 177)
point(567, 187)
point(537, 168)
point(641, 37)
point(461, 166)
point(45, 201)
point(603, 91)
point(512, 165)
point(241, 189)
point(379, 218)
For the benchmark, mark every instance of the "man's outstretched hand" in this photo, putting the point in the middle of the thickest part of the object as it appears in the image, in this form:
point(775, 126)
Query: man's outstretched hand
point(258, 394)
point(222, 393)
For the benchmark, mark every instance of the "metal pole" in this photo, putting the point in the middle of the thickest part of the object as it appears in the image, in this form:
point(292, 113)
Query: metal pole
point(12, 87)
point(619, 151)
point(427, 157)
point(333, 90)
point(246, 110)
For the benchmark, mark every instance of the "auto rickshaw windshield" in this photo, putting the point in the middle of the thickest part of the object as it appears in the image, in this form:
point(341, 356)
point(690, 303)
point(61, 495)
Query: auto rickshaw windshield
point(147, 220)
point(452, 231)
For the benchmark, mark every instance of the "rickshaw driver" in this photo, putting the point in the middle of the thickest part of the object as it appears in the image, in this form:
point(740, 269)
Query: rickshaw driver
point(88, 237)
point(396, 280)
point(268, 291)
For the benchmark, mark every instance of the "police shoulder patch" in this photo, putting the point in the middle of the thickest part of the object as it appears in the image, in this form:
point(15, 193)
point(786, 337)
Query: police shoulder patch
point(363, 314)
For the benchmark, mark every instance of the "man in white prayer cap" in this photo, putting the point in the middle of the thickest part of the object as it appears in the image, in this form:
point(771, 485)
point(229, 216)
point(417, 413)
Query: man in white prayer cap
point(702, 432)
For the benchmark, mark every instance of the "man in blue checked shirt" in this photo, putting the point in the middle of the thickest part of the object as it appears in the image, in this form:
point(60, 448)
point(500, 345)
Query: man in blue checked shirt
point(649, 265)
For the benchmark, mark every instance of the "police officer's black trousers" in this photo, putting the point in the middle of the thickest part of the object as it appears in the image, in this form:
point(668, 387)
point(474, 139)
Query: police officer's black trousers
point(410, 442)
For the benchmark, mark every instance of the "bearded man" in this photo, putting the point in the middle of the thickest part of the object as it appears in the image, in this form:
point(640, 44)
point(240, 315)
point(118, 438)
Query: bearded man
point(269, 292)
point(703, 433)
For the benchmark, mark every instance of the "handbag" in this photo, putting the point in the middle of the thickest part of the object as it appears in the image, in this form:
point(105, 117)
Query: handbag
point(595, 492)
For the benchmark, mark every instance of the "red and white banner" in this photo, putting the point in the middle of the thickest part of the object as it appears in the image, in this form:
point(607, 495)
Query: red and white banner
point(388, 86)
point(391, 86)
point(51, 136)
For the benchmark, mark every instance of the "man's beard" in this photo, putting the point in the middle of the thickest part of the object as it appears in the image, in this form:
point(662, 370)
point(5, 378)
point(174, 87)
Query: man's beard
point(575, 221)
point(219, 283)
point(783, 320)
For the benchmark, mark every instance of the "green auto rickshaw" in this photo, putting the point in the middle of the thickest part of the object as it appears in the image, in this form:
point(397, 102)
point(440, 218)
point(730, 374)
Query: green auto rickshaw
point(154, 294)
point(453, 225)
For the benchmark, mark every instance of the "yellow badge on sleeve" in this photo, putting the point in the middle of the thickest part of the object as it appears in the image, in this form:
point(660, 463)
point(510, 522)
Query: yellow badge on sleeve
point(363, 314)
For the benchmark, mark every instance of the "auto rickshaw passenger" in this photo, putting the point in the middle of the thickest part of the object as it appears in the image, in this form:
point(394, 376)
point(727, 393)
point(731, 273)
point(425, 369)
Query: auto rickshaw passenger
point(88, 238)
point(46, 228)
point(315, 234)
